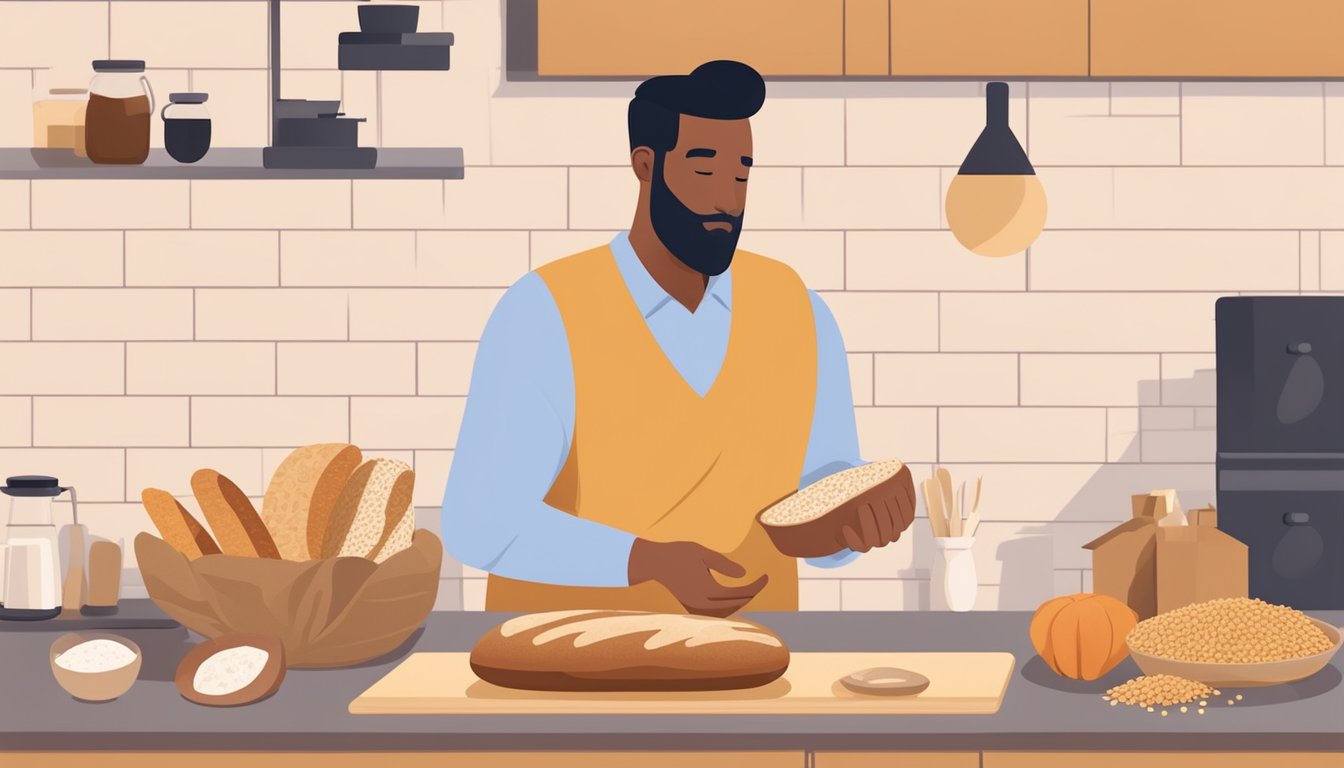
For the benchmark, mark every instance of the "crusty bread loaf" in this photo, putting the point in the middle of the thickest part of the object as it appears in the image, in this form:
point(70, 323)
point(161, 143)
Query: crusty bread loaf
point(600, 650)
point(302, 494)
point(400, 538)
point(231, 516)
point(176, 525)
point(369, 507)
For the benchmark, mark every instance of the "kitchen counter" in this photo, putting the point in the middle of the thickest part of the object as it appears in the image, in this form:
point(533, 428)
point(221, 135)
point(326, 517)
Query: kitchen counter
point(1040, 710)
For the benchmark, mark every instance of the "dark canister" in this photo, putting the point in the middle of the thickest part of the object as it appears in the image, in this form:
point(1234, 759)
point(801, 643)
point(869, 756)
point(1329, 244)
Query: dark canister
point(186, 127)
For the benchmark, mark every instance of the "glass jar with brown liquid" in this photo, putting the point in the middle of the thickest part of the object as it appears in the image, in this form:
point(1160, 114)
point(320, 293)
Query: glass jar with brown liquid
point(116, 122)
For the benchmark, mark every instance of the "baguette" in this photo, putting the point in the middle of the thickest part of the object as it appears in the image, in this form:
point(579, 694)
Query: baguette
point(302, 494)
point(369, 507)
point(176, 525)
point(232, 517)
point(600, 650)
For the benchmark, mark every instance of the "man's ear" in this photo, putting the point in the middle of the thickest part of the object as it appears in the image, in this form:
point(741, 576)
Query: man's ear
point(641, 160)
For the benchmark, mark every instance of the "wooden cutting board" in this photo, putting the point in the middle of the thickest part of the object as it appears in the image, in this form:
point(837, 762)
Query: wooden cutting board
point(959, 684)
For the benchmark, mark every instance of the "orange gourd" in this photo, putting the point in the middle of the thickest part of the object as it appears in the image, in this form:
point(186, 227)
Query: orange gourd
point(1082, 636)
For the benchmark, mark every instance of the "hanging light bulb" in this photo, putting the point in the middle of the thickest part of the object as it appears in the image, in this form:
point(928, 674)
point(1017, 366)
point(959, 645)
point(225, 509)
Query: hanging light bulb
point(996, 204)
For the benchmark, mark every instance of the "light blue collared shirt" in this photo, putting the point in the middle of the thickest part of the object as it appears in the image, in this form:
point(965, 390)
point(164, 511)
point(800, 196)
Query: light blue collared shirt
point(519, 422)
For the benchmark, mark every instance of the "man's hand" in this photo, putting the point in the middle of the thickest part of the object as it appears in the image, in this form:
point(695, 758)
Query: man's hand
point(684, 568)
point(883, 519)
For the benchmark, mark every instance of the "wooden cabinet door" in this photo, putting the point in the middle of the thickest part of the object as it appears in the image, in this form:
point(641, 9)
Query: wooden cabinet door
point(1217, 38)
point(638, 38)
point(989, 38)
point(897, 760)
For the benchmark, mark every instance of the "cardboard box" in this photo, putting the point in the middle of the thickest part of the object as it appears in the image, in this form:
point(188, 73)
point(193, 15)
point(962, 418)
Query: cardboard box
point(1160, 559)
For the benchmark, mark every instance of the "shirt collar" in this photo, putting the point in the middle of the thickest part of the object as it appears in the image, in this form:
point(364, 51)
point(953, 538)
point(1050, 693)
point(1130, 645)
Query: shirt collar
point(649, 296)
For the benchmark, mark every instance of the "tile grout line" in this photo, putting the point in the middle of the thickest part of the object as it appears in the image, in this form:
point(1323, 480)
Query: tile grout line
point(1180, 128)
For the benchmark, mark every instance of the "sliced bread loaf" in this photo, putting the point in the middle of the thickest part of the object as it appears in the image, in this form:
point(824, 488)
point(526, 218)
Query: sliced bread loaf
point(400, 538)
point(370, 506)
point(302, 494)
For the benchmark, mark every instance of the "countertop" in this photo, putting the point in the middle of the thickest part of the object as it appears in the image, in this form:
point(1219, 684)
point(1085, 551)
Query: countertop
point(1040, 710)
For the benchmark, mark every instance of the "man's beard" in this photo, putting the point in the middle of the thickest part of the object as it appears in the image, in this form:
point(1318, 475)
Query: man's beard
point(682, 231)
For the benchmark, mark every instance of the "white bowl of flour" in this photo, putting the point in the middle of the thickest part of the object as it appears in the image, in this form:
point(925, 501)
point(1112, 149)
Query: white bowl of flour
point(95, 666)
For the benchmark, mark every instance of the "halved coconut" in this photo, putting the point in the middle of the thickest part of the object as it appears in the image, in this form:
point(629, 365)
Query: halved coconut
point(232, 670)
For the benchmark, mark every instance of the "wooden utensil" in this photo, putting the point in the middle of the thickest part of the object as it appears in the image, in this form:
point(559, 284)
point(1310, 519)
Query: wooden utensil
point(953, 514)
point(933, 499)
point(973, 519)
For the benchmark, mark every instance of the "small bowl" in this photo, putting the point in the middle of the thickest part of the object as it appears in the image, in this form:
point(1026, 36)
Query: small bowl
point(389, 19)
point(1256, 675)
point(94, 686)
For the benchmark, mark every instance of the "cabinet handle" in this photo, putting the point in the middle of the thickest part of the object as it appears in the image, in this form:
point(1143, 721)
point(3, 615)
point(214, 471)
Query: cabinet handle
point(1300, 348)
point(1296, 518)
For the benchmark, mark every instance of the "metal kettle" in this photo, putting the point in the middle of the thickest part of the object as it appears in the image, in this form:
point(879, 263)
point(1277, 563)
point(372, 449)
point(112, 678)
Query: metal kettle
point(36, 552)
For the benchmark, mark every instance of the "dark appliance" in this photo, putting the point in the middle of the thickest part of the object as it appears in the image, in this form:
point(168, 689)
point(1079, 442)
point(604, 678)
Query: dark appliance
point(1280, 464)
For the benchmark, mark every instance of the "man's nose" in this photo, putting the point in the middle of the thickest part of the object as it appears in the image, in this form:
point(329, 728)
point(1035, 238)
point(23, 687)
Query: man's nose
point(731, 200)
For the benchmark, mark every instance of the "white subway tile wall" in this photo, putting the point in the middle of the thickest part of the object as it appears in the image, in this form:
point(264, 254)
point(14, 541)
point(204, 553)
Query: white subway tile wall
point(150, 328)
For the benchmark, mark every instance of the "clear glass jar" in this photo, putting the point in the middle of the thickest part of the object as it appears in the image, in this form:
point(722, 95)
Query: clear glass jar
point(116, 123)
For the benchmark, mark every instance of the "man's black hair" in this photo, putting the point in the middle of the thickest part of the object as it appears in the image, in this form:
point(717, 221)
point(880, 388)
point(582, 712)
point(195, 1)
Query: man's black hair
point(720, 90)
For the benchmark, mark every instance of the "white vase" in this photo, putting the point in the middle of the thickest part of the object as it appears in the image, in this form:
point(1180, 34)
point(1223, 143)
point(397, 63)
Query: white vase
point(956, 568)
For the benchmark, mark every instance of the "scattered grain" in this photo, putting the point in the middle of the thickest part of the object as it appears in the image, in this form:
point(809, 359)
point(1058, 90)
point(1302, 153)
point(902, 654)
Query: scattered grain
point(1154, 690)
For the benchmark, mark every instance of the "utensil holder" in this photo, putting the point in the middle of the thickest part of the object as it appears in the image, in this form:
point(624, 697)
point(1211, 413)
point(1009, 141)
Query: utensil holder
point(954, 572)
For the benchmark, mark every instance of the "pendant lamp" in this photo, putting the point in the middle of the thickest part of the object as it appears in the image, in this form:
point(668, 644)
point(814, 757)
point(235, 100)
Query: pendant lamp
point(996, 205)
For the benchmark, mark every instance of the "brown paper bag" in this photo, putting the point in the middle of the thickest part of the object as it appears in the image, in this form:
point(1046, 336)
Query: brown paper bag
point(329, 613)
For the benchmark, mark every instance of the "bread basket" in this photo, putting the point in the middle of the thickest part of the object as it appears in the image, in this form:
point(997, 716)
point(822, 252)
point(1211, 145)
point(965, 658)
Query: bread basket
point(333, 612)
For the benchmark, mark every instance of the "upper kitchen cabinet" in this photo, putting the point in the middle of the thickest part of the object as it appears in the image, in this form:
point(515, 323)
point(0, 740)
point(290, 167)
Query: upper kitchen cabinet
point(989, 38)
point(621, 38)
point(1217, 38)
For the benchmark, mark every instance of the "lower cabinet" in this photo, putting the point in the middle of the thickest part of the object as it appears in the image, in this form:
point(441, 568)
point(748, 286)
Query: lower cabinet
point(577, 759)
point(897, 760)
point(1162, 759)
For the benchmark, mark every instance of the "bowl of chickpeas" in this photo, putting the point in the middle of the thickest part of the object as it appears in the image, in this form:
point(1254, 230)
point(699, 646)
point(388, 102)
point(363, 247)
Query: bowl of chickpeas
point(1234, 642)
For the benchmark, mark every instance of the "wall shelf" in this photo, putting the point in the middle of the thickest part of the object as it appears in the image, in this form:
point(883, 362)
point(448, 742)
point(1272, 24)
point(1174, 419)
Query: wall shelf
point(228, 163)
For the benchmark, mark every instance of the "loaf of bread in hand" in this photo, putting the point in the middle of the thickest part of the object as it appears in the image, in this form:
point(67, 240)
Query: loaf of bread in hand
point(602, 650)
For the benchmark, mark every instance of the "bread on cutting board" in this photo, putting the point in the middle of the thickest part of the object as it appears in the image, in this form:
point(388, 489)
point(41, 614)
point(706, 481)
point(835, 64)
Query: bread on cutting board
point(231, 516)
point(176, 525)
point(302, 494)
point(601, 650)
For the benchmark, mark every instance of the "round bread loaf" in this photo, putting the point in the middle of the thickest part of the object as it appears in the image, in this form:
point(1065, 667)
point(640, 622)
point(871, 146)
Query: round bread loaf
point(600, 650)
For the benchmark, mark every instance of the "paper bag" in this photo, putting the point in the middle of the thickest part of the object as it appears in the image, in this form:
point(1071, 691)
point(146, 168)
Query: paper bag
point(1154, 568)
point(1198, 563)
point(330, 613)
